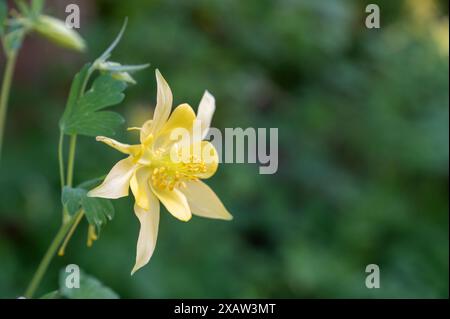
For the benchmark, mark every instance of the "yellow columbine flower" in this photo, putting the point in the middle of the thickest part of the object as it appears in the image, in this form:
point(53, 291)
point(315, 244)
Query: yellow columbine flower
point(154, 176)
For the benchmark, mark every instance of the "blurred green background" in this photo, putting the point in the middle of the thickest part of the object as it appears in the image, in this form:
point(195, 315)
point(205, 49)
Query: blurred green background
point(363, 118)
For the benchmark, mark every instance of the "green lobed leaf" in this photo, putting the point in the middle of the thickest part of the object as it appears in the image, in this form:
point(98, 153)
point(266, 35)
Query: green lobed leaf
point(100, 123)
point(71, 199)
point(97, 210)
point(84, 116)
point(90, 288)
point(105, 92)
point(75, 91)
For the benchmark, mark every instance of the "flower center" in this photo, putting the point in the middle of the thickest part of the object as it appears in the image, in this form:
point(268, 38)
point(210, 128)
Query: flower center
point(170, 170)
point(168, 174)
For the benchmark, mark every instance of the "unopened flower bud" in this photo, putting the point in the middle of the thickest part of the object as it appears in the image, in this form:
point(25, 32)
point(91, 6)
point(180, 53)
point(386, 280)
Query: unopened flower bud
point(123, 76)
point(57, 31)
point(119, 72)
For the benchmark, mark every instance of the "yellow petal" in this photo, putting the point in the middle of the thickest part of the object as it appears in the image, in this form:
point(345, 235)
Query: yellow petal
point(124, 148)
point(205, 112)
point(163, 104)
point(174, 201)
point(182, 117)
point(204, 202)
point(148, 233)
point(140, 187)
point(117, 181)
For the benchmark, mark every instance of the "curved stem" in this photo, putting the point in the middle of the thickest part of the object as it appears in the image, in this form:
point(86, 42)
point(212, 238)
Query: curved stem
point(45, 262)
point(4, 97)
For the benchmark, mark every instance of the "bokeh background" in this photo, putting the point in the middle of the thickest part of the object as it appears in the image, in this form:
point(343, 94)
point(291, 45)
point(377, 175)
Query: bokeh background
point(363, 118)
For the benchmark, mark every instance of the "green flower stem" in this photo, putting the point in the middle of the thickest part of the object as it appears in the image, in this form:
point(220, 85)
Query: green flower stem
point(4, 95)
point(71, 161)
point(70, 167)
point(45, 262)
point(61, 159)
point(65, 213)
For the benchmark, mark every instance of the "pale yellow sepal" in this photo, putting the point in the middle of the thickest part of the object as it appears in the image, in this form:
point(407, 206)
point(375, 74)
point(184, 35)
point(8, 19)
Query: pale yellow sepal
point(124, 148)
point(175, 202)
point(117, 182)
point(204, 202)
point(148, 233)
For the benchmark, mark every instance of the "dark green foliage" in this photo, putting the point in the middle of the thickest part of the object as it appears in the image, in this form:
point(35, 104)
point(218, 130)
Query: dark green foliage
point(363, 175)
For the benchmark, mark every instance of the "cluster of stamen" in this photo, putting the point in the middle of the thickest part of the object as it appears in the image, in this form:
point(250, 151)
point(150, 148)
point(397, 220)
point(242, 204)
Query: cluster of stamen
point(194, 166)
point(166, 177)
